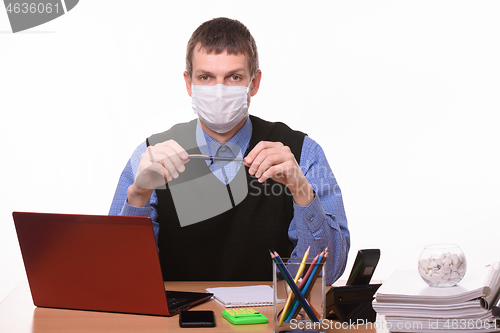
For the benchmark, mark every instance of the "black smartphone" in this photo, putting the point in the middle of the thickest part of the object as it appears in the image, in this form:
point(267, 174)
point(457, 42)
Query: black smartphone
point(197, 318)
point(363, 267)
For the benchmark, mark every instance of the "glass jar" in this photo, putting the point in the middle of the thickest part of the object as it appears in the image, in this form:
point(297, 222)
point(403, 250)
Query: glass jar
point(442, 265)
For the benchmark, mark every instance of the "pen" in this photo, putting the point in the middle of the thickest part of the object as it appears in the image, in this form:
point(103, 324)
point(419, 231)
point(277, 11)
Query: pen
point(214, 158)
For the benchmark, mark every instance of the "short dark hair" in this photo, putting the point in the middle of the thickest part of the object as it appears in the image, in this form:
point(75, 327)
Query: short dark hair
point(223, 34)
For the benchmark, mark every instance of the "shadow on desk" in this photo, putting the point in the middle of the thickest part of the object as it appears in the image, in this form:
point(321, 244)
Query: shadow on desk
point(60, 320)
point(19, 315)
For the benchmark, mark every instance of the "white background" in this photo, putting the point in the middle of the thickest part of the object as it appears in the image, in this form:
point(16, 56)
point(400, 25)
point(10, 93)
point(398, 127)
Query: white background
point(402, 95)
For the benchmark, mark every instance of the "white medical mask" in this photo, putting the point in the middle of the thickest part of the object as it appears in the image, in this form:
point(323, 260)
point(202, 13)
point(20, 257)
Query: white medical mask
point(220, 107)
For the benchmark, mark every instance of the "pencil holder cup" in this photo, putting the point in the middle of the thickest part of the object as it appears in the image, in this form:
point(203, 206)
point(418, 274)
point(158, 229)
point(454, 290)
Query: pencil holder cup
point(312, 288)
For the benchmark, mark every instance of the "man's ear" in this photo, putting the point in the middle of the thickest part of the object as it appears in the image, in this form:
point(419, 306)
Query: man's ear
point(187, 78)
point(254, 87)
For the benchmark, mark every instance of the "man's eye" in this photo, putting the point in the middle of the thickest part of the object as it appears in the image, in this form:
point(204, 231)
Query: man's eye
point(204, 77)
point(235, 78)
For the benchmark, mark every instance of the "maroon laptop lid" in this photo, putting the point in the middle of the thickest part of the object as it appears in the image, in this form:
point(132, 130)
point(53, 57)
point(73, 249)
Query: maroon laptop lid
point(88, 262)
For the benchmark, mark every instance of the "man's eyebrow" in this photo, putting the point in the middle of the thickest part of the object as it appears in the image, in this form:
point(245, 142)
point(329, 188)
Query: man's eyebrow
point(240, 70)
point(202, 72)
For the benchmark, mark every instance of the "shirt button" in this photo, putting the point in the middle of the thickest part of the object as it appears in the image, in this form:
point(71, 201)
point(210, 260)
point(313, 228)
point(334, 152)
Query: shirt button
point(223, 150)
point(226, 179)
point(311, 218)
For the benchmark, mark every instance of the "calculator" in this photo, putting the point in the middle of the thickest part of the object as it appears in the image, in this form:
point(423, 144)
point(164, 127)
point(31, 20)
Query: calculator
point(244, 316)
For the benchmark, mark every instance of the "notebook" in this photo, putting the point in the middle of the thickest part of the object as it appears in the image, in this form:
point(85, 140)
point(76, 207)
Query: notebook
point(94, 262)
point(245, 296)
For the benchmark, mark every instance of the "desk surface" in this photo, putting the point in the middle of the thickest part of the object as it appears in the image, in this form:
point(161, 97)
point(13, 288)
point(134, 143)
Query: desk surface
point(19, 315)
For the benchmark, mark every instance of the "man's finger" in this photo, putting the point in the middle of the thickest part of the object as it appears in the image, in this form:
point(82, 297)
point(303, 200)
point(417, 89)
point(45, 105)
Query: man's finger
point(258, 148)
point(266, 159)
point(275, 167)
point(181, 152)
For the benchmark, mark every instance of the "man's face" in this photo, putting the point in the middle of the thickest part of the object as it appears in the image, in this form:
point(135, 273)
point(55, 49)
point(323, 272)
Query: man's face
point(228, 69)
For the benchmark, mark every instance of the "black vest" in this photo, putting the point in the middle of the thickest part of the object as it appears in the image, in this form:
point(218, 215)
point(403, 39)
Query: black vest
point(232, 245)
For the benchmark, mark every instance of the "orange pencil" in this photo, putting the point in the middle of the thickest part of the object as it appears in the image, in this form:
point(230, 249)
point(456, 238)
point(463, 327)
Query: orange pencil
point(304, 281)
point(297, 277)
point(309, 287)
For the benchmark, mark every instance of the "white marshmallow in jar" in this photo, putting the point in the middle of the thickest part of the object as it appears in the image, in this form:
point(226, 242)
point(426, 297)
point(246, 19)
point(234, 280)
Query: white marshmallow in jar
point(442, 265)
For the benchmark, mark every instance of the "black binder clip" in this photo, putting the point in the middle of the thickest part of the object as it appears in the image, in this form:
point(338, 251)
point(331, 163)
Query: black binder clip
point(353, 302)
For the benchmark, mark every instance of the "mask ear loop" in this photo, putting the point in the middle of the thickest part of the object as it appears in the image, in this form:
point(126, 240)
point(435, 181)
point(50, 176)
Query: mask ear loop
point(248, 87)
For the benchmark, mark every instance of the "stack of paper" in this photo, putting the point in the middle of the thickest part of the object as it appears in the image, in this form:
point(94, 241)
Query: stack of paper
point(410, 305)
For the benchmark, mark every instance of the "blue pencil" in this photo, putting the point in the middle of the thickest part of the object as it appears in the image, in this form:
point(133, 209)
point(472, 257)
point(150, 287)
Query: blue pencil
point(300, 297)
point(295, 306)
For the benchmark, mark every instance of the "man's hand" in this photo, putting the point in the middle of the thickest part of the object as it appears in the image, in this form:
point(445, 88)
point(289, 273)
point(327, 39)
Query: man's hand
point(276, 161)
point(159, 165)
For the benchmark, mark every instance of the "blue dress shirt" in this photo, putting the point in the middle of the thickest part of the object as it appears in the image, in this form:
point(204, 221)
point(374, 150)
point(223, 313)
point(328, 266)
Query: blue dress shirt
point(321, 223)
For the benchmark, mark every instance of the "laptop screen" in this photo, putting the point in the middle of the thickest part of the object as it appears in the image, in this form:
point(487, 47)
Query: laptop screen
point(103, 263)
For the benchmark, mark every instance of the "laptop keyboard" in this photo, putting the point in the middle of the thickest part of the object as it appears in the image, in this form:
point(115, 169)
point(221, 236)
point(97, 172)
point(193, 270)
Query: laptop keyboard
point(176, 300)
point(175, 303)
point(182, 300)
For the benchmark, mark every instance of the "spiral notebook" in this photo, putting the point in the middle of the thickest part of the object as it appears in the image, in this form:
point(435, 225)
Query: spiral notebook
point(232, 297)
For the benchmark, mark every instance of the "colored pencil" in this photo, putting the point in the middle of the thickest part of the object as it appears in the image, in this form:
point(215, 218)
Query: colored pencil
point(306, 290)
point(288, 278)
point(297, 277)
point(304, 281)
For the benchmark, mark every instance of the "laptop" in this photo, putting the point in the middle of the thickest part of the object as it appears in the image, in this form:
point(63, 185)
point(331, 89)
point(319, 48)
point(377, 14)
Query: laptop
point(96, 262)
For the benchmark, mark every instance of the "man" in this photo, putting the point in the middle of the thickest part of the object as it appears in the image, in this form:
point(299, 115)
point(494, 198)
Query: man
point(216, 219)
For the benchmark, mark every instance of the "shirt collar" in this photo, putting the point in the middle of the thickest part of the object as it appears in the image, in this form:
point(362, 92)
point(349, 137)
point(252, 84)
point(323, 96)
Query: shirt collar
point(238, 143)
